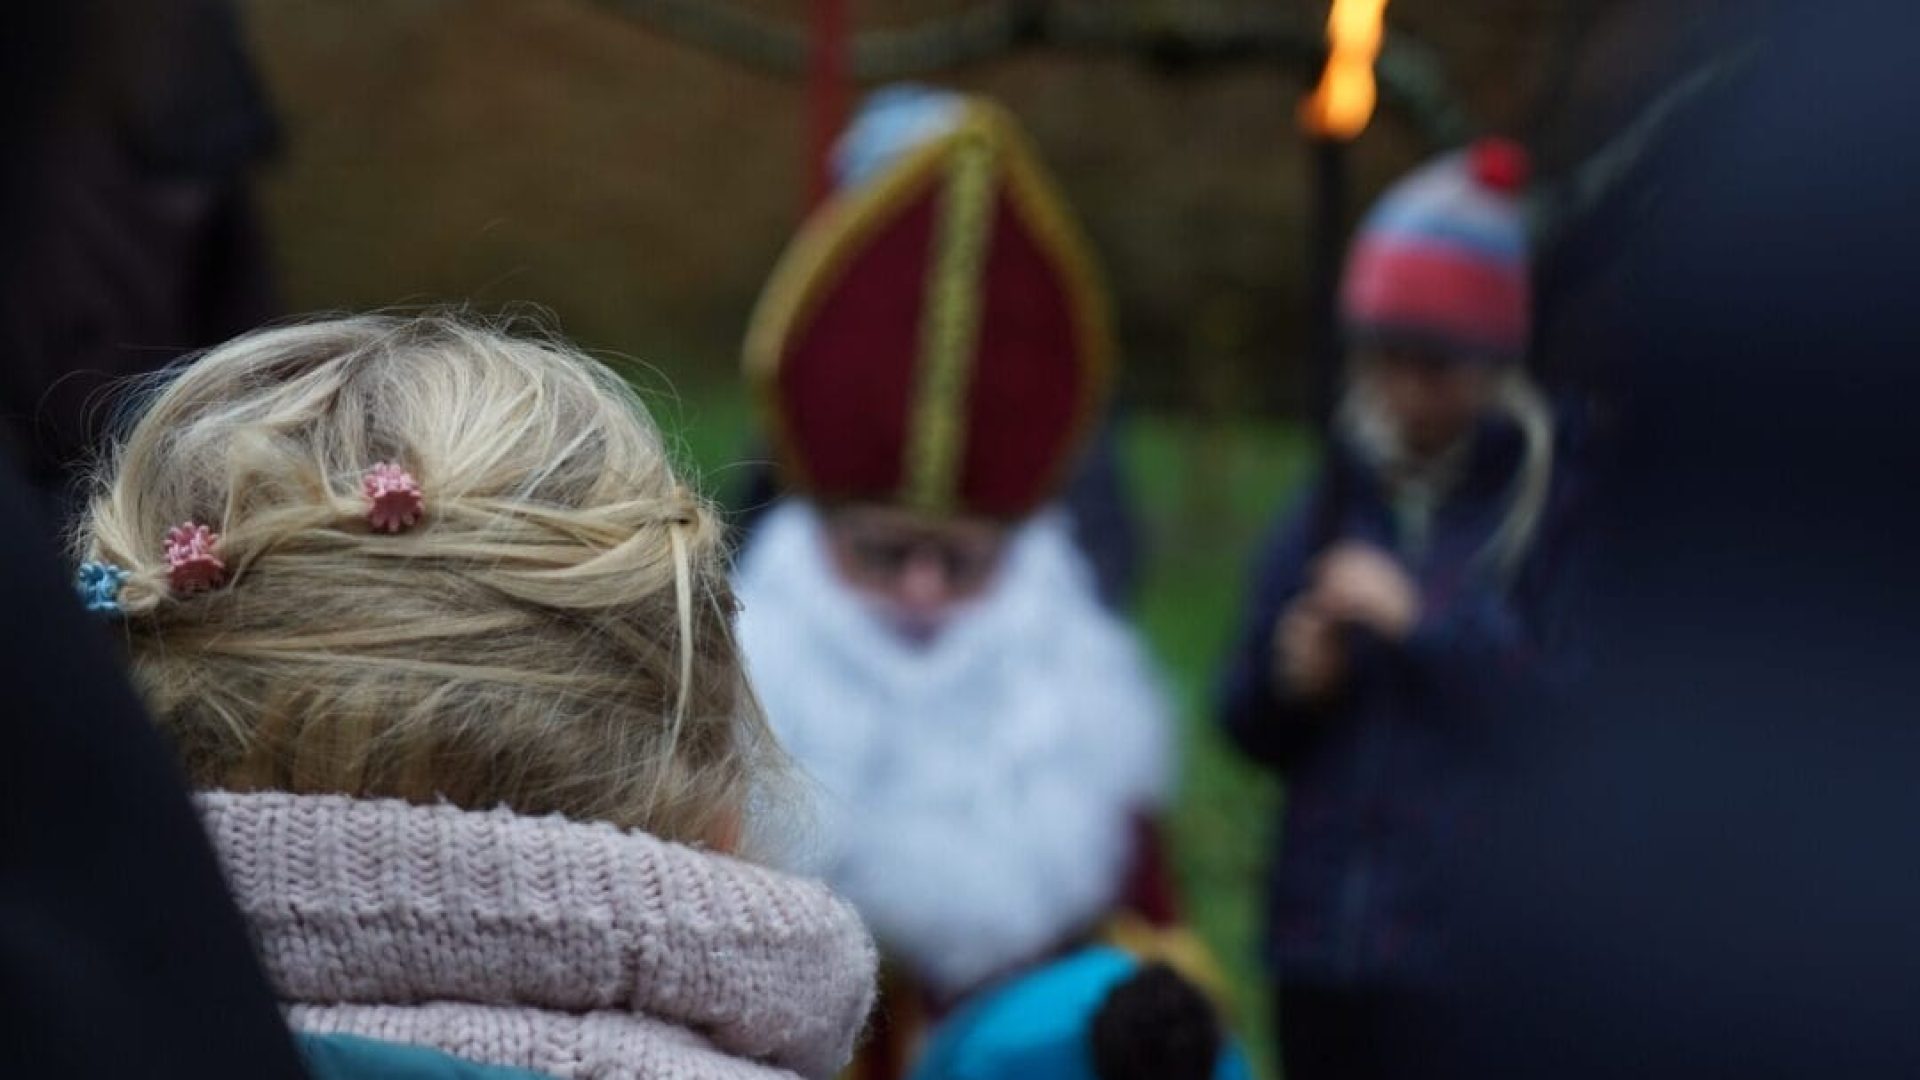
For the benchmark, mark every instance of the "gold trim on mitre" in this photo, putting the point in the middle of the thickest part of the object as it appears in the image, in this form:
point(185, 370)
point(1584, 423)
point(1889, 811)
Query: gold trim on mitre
point(950, 324)
point(819, 255)
point(1040, 203)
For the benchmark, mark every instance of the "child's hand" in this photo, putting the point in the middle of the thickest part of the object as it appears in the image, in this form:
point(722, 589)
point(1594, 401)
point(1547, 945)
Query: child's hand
point(1361, 585)
point(1309, 657)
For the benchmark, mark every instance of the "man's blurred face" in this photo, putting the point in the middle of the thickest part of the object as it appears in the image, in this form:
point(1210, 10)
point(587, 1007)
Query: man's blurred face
point(917, 570)
point(1431, 400)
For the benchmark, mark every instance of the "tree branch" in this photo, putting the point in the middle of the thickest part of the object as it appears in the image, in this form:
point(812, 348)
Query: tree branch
point(1411, 77)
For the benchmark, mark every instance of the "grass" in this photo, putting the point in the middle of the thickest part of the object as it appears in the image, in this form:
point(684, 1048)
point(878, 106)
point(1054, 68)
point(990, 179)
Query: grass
point(1204, 493)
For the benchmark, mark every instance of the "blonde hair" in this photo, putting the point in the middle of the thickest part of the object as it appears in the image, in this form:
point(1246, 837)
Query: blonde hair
point(554, 635)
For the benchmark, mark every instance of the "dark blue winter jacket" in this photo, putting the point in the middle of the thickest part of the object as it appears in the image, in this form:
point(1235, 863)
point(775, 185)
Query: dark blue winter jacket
point(1378, 781)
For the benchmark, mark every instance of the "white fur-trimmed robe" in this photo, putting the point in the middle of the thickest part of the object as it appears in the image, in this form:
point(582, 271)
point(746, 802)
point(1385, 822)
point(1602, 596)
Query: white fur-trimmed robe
point(975, 796)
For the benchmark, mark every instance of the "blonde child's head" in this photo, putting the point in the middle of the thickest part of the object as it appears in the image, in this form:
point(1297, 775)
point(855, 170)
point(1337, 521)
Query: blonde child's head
point(553, 633)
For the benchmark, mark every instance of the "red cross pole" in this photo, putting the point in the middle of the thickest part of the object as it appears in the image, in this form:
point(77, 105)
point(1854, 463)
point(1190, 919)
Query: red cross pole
point(827, 91)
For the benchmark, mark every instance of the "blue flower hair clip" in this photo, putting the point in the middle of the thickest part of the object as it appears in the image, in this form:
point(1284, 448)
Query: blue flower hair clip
point(99, 585)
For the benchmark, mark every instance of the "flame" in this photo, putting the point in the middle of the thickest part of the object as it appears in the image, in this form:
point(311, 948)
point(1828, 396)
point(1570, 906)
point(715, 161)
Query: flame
point(1341, 105)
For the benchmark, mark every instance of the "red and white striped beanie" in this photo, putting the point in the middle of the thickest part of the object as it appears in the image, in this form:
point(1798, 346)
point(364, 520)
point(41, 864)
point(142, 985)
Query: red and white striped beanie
point(1441, 261)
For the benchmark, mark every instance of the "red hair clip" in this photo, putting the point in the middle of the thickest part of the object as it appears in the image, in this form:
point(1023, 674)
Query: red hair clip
point(191, 563)
point(394, 501)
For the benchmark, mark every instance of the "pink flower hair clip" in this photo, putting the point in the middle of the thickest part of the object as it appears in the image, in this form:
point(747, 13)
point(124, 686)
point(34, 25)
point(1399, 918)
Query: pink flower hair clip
point(394, 500)
point(191, 563)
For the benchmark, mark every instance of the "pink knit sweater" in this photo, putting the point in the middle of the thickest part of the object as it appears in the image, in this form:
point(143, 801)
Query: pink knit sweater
point(571, 949)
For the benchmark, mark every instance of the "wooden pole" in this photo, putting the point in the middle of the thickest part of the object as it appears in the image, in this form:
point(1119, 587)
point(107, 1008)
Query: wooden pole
point(1333, 115)
point(1326, 248)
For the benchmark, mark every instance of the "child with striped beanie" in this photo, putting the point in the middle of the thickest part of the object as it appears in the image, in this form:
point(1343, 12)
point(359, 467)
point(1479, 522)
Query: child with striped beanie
point(1416, 572)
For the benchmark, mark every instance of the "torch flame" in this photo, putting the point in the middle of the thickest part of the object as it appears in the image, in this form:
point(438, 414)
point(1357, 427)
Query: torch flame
point(1341, 105)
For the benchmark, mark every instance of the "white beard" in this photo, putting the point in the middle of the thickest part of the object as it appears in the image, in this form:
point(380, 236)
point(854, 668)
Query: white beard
point(976, 794)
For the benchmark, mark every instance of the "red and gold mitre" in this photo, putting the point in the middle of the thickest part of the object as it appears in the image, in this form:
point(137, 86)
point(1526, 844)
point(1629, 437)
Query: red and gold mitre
point(935, 337)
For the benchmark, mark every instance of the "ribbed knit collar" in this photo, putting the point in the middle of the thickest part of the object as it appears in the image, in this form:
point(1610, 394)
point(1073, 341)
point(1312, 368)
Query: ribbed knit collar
point(375, 902)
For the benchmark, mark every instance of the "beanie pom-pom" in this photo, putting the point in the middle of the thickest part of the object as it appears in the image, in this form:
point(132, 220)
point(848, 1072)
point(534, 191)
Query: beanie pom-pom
point(1500, 164)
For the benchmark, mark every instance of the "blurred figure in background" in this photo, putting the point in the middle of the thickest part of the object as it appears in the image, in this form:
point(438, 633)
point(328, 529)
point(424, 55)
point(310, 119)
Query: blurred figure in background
point(1092, 491)
point(988, 740)
point(142, 233)
point(1415, 578)
point(1097, 1014)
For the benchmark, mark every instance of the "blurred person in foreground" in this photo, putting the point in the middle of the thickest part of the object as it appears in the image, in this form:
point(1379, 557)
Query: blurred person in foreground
point(988, 740)
point(1416, 578)
point(1703, 863)
point(120, 954)
point(140, 226)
